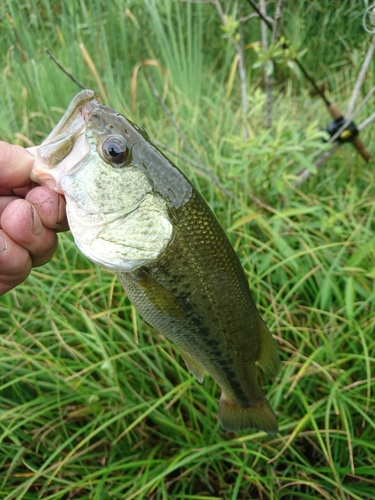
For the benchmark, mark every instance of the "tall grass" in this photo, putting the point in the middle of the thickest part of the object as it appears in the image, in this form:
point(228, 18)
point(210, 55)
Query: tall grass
point(94, 404)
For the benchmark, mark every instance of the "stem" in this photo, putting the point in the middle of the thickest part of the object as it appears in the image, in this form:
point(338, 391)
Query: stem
point(361, 76)
point(242, 74)
point(305, 174)
point(267, 20)
point(278, 16)
point(241, 67)
point(268, 80)
point(366, 122)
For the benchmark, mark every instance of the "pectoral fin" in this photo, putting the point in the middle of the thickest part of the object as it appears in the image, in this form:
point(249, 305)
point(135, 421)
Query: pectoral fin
point(268, 358)
point(195, 368)
point(161, 298)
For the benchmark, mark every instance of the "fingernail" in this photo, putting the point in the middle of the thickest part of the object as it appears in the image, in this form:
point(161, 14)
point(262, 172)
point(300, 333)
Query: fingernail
point(37, 224)
point(3, 243)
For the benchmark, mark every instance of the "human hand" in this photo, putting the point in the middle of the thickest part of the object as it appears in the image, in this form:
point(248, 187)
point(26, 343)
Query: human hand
point(29, 218)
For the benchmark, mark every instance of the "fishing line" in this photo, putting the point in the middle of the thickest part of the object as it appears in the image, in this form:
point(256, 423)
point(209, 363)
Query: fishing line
point(64, 70)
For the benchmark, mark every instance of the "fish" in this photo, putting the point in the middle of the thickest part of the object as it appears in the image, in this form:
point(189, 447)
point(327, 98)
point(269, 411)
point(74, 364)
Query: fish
point(132, 211)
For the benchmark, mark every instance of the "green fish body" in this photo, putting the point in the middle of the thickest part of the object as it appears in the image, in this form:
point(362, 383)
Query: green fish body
point(143, 219)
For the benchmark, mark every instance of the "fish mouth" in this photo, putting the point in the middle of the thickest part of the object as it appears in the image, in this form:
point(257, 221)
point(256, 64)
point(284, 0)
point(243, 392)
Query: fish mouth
point(66, 145)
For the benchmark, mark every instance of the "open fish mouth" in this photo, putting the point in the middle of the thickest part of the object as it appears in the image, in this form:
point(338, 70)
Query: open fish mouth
point(66, 145)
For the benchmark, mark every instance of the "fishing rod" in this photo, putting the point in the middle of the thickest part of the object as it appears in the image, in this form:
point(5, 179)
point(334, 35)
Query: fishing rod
point(345, 130)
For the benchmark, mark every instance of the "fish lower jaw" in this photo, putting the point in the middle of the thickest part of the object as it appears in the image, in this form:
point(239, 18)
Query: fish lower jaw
point(114, 264)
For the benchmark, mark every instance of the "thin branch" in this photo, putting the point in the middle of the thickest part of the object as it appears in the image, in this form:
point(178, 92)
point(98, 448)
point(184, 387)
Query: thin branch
point(263, 25)
point(242, 73)
point(187, 145)
point(305, 174)
point(366, 122)
point(371, 91)
point(361, 76)
point(64, 70)
point(266, 19)
point(268, 80)
point(278, 17)
point(249, 16)
point(327, 154)
point(220, 10)
point(228, 6)
point(241, 67)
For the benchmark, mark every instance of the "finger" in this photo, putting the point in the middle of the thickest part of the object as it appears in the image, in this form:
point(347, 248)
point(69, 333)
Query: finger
point(22, 192)
point(51, 207)
point(22, 223)
point(15, 263)
point(6, 191)
point(4, 202)
point(15, 165)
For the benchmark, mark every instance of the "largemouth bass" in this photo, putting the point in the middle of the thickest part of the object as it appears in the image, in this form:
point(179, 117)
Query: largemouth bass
point(133, 211)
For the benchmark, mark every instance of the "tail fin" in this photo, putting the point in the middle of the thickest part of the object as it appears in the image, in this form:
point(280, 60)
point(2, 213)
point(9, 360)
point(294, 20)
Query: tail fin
point(260, 415)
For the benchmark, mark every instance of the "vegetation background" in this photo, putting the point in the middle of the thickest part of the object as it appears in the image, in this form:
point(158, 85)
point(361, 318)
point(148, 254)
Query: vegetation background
point(96, 405)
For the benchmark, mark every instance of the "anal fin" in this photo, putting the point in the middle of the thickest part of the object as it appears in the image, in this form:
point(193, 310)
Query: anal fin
point(259, 415)
point(193, 366)
point(268, 358)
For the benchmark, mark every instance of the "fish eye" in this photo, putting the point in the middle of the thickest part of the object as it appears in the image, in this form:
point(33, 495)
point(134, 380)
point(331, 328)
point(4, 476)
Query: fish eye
point(115, 150)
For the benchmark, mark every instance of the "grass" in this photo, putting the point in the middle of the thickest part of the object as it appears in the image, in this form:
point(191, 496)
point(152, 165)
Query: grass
point(94, 404)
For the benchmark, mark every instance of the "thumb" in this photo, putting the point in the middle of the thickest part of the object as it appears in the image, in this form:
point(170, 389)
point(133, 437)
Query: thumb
point(15, 166)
